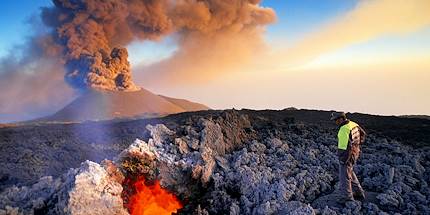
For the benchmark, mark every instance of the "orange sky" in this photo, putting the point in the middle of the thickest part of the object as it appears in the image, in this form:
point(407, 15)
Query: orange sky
point(370, 59)
point(370, 56)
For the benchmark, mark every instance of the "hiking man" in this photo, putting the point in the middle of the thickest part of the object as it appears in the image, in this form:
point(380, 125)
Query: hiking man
point(350, 137)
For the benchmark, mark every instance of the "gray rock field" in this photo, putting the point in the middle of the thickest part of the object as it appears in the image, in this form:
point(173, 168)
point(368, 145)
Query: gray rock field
point(228, 162)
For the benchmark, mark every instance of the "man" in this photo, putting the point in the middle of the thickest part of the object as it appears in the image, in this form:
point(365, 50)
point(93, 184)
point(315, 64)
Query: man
point(350, 137)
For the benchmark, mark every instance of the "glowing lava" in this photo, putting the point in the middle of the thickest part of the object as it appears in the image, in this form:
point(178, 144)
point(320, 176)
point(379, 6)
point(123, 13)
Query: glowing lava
point(152, 199)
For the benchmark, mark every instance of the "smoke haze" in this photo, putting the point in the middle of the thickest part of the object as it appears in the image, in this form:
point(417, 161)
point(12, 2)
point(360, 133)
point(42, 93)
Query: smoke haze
point(31, 81)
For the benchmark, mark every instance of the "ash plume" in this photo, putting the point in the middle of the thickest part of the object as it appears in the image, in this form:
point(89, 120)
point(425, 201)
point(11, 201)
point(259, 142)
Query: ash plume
point(80, 44)
point(94, 32)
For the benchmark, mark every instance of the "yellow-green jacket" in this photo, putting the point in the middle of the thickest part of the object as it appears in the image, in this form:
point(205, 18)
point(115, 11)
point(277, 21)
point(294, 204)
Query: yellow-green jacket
point(350, 136)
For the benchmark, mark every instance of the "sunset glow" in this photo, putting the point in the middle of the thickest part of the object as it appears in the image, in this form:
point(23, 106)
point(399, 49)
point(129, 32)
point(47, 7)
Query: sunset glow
point(294, 53)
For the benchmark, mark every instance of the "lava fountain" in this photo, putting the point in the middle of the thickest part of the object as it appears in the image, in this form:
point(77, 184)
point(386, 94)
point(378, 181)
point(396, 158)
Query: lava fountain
point(151, 199)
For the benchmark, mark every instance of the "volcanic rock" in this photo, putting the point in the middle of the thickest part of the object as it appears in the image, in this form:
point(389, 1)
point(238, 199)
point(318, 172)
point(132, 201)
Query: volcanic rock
point(88, 188)
point(261, 164)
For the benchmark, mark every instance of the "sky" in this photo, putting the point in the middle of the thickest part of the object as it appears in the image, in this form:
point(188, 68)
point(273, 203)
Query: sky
point(355, 56)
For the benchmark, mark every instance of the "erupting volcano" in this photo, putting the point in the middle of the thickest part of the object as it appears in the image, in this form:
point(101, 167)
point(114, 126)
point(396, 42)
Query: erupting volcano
point(151, 199)
point(106, 105)
point(88, 38)
point(93, 116)
point(90, 35)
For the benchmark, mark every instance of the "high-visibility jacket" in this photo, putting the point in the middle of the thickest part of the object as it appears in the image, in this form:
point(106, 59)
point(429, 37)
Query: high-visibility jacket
point(350, 137)
point(349, 132)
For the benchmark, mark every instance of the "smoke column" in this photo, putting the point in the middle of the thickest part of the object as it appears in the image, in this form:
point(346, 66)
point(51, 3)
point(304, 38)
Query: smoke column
point(93, 33)
point(79, 44)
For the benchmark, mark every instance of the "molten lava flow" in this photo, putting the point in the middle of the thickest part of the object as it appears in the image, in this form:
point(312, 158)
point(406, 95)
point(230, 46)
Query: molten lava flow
point(152, 199)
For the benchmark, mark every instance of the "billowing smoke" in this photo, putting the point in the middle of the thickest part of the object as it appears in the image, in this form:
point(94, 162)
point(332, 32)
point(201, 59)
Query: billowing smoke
point(32, 79)
point(82, 42)
point(93, 32)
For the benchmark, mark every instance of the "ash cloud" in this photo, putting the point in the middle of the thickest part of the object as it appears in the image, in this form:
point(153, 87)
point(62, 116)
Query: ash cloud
point(92, 34)
point(220, 37)
point(80, 46)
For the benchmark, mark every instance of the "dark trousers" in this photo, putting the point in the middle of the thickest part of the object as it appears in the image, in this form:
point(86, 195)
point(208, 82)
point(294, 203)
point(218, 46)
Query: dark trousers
point(348, 181)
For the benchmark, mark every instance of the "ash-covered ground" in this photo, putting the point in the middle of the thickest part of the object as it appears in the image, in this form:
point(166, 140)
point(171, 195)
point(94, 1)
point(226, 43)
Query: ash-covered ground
point(217, 162)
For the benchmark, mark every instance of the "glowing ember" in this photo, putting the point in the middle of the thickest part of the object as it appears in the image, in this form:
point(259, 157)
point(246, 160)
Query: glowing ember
point(152, 199)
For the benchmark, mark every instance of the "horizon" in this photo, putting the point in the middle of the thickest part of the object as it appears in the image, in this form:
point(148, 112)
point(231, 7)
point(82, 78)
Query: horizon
point(369, 57)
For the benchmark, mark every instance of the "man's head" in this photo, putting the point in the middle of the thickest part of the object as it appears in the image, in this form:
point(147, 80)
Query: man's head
point(338, 117)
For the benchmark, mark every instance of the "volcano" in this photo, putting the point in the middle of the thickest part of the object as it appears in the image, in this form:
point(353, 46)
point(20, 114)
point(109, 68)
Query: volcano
point(106, 105)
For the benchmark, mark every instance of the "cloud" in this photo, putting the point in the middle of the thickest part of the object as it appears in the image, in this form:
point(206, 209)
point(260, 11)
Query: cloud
point(368, 20)
point(202, 58)
point(90, 32)
point(81, 42)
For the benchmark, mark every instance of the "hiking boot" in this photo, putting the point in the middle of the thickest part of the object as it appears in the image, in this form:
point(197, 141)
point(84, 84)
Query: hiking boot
point(359, 196)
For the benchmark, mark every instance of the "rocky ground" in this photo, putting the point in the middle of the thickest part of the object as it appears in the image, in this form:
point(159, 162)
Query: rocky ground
point(217, 162)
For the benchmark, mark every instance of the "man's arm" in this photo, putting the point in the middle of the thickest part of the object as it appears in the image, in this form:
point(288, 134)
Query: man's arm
point(363, 135)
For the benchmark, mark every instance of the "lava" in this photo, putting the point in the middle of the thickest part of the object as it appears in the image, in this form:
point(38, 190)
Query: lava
point(152, 199)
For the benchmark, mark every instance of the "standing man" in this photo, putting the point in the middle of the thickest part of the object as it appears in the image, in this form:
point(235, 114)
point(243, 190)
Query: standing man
point(350, 137)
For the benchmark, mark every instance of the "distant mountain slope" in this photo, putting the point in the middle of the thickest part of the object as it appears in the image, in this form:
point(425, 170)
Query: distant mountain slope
point(416, 116)
point(185, 104)
point(105, 105)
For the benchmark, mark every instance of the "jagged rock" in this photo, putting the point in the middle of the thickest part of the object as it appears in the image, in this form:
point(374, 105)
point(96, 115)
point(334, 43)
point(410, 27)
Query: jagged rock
point(329, 201)
point(159, 133)
point(390, 176)
point(233, 164)
point(257, 147)
point(275, 142)
point(183, 147)
point(297, 208)
point(223, 163)
point(88, 188)
point(352, 207)
point(29, 199)
point(209, 164)
point(212, 137)
point(328, 211)
point(138, 159)
point(197, 171)
point(193, 144)
point(200, 211)
point(234, 209)
point(371, 208)
point(388, 200)
point(12, 210)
